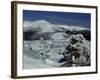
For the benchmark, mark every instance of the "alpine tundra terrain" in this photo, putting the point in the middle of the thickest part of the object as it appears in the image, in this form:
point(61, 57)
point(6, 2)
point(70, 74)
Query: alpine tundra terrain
point(47, 45)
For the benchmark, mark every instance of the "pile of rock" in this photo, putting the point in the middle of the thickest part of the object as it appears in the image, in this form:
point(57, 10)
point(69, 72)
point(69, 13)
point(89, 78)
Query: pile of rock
point(76, 53)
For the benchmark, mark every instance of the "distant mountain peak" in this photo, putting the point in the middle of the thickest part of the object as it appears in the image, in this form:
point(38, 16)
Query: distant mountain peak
point(42, 21)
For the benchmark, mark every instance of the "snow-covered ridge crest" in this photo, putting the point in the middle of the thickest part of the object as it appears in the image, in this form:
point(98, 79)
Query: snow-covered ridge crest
point(47, 26)
point(40, 24)
point(34, 30)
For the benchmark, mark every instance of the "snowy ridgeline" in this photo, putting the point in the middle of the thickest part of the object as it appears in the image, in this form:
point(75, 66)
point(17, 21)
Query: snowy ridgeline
point(37, 29)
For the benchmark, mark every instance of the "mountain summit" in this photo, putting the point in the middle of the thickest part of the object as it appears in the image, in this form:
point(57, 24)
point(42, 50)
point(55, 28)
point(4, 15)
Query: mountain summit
point(42, 22)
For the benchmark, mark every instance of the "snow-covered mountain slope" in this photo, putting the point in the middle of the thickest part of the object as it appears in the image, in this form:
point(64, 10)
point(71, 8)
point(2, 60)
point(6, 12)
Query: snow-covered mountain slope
point(45, 45)
point(33, 30)
point(41, 24)
point(45, 25)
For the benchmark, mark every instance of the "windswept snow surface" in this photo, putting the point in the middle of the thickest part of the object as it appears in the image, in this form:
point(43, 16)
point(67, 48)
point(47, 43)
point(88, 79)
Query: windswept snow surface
point(44, 44)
